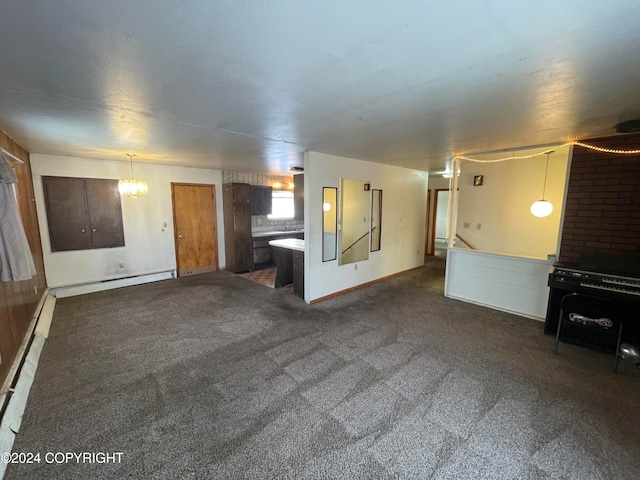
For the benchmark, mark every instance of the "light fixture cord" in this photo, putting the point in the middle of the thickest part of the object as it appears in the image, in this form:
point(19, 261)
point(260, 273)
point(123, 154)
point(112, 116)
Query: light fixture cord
point(131, 160)
point(546, 169)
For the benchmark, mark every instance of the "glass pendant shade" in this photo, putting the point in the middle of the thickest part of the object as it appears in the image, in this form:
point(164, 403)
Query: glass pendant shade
point(541, 208)
point(132, 188)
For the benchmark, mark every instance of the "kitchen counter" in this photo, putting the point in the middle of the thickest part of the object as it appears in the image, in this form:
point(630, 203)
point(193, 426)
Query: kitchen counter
point(262, 251)
point(289, 243)
point(289, 256)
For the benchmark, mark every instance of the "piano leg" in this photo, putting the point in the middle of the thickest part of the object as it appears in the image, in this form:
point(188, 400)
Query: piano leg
point(615, 365)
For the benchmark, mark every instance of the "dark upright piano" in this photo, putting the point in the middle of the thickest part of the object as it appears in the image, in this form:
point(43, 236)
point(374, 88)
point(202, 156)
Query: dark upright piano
point(611, 277)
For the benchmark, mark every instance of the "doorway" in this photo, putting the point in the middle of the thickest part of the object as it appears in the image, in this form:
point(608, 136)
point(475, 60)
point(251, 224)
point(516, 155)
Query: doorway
point(195, 228)
point(427, 244)
point(439, 224)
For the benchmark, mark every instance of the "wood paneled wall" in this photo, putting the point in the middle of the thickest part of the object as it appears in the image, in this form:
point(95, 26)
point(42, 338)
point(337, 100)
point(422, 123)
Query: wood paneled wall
point(18, 300)
point(602, 215)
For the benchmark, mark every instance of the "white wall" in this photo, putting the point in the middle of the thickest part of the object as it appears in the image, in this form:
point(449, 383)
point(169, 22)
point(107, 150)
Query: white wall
point(404, 200)
point(509, 283)
point(501, 205)
point(149, 245)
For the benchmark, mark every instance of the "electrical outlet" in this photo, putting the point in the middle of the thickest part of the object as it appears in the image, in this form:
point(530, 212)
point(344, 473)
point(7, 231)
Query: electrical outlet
point(479, 226)
point(466, 225)
point(121, 265)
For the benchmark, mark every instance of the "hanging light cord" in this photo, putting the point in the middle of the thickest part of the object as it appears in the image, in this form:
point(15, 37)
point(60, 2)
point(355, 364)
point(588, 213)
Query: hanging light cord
point(131, 160)
point(546, 170)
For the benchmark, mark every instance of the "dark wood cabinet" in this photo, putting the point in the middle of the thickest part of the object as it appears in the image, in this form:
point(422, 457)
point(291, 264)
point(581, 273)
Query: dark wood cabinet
point(298, 273)
point(261, 200)
point(298, 196)
point(83, 213)
point(263, 252)
point(236, 200)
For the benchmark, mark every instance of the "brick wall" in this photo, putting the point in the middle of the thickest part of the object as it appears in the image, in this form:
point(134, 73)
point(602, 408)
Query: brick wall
point(603, 201)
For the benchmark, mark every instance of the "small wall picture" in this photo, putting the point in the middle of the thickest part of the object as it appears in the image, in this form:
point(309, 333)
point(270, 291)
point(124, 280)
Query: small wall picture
point(478, 180)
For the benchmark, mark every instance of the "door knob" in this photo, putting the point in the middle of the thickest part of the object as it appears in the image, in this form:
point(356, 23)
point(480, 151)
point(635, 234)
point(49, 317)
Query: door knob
point(180, 236)
point(82, 230)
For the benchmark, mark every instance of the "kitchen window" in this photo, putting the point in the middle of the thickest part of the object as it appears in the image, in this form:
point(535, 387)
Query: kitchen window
point(281, 204)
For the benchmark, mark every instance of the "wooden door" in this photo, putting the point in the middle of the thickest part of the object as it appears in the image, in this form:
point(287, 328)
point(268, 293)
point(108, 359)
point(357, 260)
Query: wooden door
point(195, 228)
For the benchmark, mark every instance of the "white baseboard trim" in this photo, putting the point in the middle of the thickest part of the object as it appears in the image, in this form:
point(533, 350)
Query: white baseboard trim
point(73, 290)
point(16, 398)
point(500, 309)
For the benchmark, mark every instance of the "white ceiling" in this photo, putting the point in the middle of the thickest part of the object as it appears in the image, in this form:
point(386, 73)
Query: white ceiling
point(250, 85)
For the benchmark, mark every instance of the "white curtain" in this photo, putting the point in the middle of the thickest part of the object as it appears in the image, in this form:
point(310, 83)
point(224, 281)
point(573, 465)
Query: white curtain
point(16, 261)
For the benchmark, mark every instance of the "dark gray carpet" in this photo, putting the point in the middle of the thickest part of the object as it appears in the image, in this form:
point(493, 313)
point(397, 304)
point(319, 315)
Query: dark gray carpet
point(214, 376)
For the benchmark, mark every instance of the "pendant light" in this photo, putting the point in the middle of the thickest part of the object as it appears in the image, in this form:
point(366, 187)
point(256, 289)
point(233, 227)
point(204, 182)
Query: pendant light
point(132, 188)
point(543, 208)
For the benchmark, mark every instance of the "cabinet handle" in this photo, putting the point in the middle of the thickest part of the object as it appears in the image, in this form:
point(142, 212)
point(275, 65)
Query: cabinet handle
point(180, 236)
point(83, 230)
point(93, 230)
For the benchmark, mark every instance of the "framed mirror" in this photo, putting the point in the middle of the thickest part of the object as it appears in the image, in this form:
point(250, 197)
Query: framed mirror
point(329, 223)
point(354, 213)
point(376, 219)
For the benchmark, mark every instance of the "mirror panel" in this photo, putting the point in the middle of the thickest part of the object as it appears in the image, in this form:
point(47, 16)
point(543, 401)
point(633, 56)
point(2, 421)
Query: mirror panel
point(376, 219)
point(329, 223)
point(353, 220)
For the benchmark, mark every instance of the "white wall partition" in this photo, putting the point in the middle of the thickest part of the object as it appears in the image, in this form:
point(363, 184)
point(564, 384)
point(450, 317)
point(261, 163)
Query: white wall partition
point(403, 221)
point(495, 216)
point(509, 283)
point(148, 221)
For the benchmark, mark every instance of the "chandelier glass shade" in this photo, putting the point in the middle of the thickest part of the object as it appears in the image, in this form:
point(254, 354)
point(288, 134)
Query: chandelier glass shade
point(132, 188)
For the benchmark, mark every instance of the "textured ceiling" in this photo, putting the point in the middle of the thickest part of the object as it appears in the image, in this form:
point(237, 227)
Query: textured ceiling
point(248, 85)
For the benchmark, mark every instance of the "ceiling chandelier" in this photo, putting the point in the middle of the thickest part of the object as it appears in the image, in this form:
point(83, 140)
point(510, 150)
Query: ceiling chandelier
point(132, 188)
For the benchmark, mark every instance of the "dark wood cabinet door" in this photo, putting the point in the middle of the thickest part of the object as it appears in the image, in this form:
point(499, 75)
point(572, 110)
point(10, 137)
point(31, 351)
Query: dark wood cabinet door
point(105, 213)
point(241, 193)
point(237, 226)
point(243, 240)
point(83, 213)
point(261, 199)
point(298, 273)
point(67, 216)
point(257, 206)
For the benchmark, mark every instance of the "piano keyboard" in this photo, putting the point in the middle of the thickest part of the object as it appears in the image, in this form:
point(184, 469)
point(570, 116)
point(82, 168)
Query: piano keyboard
point(626, 291)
